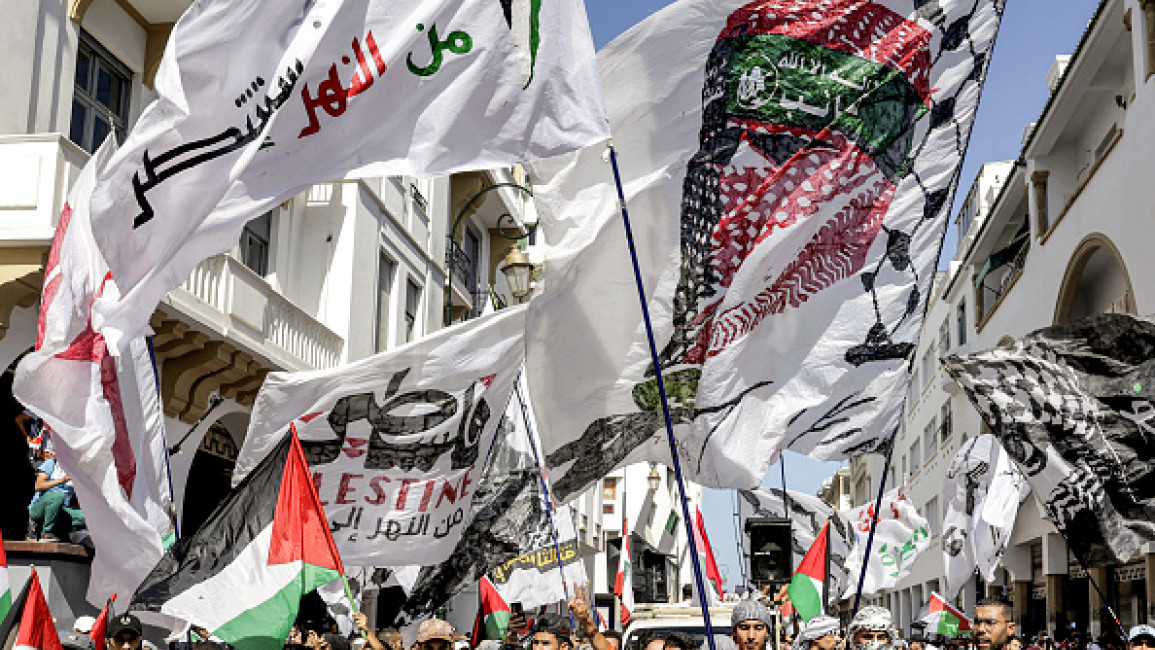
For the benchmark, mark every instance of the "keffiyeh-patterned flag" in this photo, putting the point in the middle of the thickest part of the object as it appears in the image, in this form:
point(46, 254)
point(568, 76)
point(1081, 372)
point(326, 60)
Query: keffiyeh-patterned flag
point(1072, 405)
point(790, 165)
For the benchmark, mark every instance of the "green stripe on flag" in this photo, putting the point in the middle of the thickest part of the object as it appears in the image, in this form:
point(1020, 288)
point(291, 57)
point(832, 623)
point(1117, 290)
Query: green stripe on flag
point(265, 626)
point(806, 594)
point(496, 624)
point(5, 603)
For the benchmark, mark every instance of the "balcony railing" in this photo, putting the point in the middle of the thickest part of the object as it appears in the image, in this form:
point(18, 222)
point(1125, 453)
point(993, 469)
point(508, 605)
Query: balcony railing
point(231, 289)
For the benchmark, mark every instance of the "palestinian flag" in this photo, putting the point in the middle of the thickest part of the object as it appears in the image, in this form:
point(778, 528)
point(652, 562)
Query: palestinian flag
point(5, 586)
point(30, 616)
point(944, 619)
point(706, 559)
point(495, 611)
point(624, 582)
point(806, 588)
point(243, 573)
point(98, 627)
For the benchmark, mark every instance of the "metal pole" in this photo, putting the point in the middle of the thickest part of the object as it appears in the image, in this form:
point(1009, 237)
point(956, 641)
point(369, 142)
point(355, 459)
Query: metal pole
point(689, 523)
point(545, 490)
point(873, 525)
point(167, 467)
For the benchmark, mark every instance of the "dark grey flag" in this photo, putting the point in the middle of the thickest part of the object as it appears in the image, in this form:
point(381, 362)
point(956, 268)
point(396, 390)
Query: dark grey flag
point(1072, 405)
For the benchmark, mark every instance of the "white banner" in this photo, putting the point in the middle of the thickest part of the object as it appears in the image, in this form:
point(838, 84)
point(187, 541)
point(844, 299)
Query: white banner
point(258, 100)
point(983, 491)
point(789, 166)
point(105, 413)
point(533, 578)
point(901, 534)
point(397, 442)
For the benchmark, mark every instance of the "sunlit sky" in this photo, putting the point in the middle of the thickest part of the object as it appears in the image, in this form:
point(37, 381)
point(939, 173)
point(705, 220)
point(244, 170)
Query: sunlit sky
point(1033, 33)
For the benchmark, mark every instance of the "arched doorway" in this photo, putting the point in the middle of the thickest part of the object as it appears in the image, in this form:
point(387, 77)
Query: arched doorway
point(211, 474)
point(1096, 282)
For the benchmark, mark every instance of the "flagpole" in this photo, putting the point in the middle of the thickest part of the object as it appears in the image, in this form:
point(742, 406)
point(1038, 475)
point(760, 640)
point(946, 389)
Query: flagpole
point(167, 467)
point(703, 601)
point(873, 524)
point(545, 489)
point(794, 616)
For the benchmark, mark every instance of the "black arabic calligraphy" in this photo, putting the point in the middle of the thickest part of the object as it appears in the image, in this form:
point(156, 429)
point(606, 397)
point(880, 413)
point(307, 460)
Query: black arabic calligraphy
point(229, 140)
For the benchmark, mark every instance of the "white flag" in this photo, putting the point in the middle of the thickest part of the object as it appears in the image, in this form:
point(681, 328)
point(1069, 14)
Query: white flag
point(397, 442)
point(984, 490)
point(258, 100)
point(789, 166)
point(533, 578)
point(901, 534)
point(105, 413)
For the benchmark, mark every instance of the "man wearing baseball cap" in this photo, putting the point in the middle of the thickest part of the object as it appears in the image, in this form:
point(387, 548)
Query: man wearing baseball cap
point(751, 625)
point(124, 633)
point(435, 634)
point(1141, 636)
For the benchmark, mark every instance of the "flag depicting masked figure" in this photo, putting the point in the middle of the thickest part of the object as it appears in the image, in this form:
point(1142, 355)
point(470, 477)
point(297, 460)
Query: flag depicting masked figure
point(303, 92)
point(105, 415)
point(983, 491)
point(900, 536)
point(1073, 406)
point(789, 166)
point(398, 443)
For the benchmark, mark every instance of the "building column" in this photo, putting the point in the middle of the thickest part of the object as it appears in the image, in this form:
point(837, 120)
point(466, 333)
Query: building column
point(1021, 598)
point(1100, 576)
point(1149, 557)
point(1055, 569)
point(1017, 561)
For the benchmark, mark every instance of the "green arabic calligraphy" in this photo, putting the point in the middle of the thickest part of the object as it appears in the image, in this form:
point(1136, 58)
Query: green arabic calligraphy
point(457, 42)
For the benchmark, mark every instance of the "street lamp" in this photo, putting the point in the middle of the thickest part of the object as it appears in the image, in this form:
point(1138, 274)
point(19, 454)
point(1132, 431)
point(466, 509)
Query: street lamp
point(517, 269)
point(654, 479)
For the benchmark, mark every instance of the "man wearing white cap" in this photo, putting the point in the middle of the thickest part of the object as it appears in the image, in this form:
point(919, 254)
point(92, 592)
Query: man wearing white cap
point(820, 633)
point(1141, 637)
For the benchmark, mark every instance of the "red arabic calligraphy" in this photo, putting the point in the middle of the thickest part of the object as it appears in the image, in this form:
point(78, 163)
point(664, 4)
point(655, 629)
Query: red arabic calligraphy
point(331, 96)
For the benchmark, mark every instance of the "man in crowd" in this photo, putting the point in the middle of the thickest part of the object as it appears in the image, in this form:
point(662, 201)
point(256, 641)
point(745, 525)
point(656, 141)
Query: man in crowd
point(993, 624)
point(51, 506)
point(124, 633)
point(751, 625)
point(819, 633)
point(77, 641)
point(435, 634)
point(551, 632)
point(872, 628)
point(1141, 637)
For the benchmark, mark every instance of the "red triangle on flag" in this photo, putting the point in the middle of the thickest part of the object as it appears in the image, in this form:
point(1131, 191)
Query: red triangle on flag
point(813, 564)
point(309, 417)
point(97, 631)
point(300, 529)
point(36, 627)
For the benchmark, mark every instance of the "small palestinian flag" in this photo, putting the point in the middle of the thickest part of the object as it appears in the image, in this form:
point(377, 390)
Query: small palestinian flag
point(98, 627)
point(30, 616)
point(5, 586)
point(495, 611)
point(243, 573)
point(806, 587)
point(944, 619)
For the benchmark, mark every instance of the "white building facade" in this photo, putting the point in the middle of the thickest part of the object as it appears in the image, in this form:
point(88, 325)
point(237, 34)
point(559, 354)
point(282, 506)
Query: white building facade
point(1061, 233)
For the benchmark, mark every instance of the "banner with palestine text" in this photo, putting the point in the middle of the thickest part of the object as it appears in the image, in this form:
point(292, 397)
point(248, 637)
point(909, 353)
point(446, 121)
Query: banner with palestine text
point(790, 166)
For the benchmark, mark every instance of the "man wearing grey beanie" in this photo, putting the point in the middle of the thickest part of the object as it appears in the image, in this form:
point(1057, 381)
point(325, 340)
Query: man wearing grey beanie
point(751, 625)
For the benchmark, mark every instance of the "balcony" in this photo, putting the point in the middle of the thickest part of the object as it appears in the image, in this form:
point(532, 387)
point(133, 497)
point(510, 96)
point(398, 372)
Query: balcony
point(38, 171)
point(226, 296)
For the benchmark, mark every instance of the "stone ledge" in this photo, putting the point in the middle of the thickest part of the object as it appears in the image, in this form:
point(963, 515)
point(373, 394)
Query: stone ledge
point(62, 550)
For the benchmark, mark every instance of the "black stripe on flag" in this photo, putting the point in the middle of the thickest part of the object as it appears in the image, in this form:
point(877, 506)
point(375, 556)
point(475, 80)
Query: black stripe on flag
point(233, 525)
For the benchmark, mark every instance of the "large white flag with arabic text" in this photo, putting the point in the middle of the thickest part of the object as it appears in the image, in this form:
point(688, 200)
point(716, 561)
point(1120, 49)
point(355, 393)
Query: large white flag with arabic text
point(106, 419)
point(398, 442)
point(258, 100)
point(900, 536)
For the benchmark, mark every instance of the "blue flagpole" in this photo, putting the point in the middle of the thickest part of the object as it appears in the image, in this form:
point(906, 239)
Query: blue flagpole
point(546, 492)
point(873, 524)
point(702, 598)
point(167, 467)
